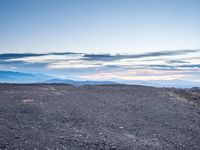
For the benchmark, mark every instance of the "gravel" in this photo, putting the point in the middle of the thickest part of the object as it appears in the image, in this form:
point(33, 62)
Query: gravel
point(103, 117)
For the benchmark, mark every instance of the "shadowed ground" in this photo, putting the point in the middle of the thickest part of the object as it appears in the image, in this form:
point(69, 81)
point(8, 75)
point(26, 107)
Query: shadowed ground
point(98, 117)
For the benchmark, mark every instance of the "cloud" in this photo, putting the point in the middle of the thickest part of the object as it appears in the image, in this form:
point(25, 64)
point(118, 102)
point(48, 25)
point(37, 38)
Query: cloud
point(108, 57)
point(139, 75)
point(47, 58)
point(190, 66)
point(15, 55)
point(147, 66)
point(73, 64)
point(177, 62)
point(95, 57)
point(7, 56)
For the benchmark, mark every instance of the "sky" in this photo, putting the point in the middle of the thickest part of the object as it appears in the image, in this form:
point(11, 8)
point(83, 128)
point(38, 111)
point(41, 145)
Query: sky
point(115, 40)
point(98, 26)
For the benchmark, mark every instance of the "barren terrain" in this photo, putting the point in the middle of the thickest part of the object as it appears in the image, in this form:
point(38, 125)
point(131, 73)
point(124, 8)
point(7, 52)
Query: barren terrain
point(103, 117)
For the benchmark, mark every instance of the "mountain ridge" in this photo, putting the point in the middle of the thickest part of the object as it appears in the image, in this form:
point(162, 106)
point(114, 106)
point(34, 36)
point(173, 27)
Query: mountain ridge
point(23, 77)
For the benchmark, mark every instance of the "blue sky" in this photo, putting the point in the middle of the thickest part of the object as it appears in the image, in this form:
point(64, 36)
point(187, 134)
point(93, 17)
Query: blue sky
point(93, 26)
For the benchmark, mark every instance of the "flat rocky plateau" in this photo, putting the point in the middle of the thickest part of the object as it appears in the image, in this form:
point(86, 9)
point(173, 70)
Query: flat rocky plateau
point(103, 117)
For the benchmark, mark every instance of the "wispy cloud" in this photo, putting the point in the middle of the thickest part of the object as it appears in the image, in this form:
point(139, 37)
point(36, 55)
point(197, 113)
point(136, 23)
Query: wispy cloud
point(142, 74)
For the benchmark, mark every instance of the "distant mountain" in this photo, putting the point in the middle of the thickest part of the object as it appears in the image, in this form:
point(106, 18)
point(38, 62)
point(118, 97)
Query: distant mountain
point(66, 81)
point(166, 83)
point(19, 77)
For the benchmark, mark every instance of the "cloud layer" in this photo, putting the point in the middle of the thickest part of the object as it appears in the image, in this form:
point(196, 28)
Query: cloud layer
point(165, 65)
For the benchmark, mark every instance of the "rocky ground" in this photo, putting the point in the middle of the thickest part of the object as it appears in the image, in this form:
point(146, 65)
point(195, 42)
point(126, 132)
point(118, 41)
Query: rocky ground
point(106, 117)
